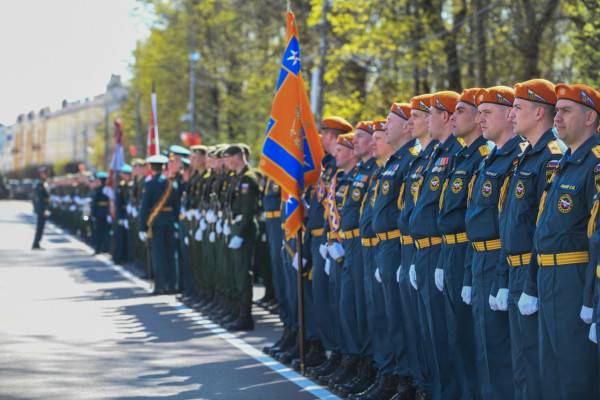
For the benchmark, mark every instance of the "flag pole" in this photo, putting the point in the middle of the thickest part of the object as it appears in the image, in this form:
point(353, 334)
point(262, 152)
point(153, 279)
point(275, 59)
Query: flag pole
point(300, 281)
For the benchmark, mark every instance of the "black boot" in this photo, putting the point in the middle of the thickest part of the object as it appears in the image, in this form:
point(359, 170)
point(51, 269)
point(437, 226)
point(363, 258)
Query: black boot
point(346, 372)
point(405, 389)
point(279, 342)
point(286, 345)
point(286, 357)
point(235, 313)
point(244, 321)
point(422, 394)
point(327, 367)
point(373, 388)
point(362, 381)
point(315, 355)
point(326, 376)
point(385, 390)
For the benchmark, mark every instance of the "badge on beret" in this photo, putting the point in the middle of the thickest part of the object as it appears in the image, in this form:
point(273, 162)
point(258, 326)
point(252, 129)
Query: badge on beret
point(385, 187)
point(520, 189)
point(434, 183)
point(457, 185)
point(356, 194)
point(586, 98)
point(486, 188)
point(565, 203)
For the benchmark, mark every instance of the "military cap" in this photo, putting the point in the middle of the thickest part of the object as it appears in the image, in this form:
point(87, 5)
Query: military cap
point(445, 100)
point(199, 148)
point(579, 93)
point(346, 140)
point(179, 150)
point(366, 126)
point(101, 175)
point(401, 109)
point(245, 149)
point(469, 96)
point(126, 169)
point(186, 162)
point(501, 95)
point(337, 124)
point(537, 90)
point(421, 102)
point(232, 150)
point(157, 159)
point(379, 125)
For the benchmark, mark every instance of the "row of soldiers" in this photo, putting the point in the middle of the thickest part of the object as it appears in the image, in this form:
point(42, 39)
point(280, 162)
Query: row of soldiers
point(449, 248)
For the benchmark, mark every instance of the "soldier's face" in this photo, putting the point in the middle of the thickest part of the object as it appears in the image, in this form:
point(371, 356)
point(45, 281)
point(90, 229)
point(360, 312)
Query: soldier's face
point(394, 129)
point(382, 147)
point(344, 156)
point(572, 120)
point(464, 120)
point(363, 143)
point(494, 120)
point(437, 121)
point(420, 122)
point(329, 140)
point(523, 116)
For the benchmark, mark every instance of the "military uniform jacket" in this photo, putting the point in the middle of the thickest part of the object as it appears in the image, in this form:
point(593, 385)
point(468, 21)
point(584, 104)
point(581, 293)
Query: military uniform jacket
point(409, 191)
point(244, 203)
point(271, 196)
point(99, 203)
point(387, 188)
point(423, 220)
point(40, 197)
point(316, 196)
point(357, 182)
point(520, 208)
point(154, 189)
point(121, 200)
point(565, 213)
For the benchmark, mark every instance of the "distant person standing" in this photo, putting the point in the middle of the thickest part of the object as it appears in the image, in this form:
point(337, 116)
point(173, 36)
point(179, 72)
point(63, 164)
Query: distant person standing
point(40, 206)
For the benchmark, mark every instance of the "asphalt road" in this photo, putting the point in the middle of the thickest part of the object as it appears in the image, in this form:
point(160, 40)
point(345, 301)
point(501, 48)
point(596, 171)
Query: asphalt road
point(74, 326)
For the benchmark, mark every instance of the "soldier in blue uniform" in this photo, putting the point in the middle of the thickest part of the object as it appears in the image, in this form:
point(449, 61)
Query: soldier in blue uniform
point(569, 366)
point(439, 373)
point(482, 286)
point(100, 215)
point(353, 312)
point(121, 239)
point(533, 118)
point(158, 215)
point(449, 273)
point(316, 245)
point(41, 200)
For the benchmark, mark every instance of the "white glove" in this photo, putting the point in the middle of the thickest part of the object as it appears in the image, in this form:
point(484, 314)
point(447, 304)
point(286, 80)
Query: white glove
point(327, 266)
point(219, 227)
point(186, 241)
point(203, 224)
point(466, 294)
point(502, 299)
point(412, 274)
point(142, 236)
point(295, 262)
point(197, 214)
point(439, 279)
point(47, 213)
point(226, 228)
point(493, 303)
point(586, 314)
point(263, 238)
point(211, 217)
point(134, 212)
point(335, 250)
point(323, 251)
point(593, 336)
point(377, 275)
point(528, 305)
point(212, 237)
point(236, 242)
point(398, 272)
point(128, 208)
point(198, 235)
point(126, 223)
point(109, 219)
point(72, 207)
point(189, 215)
point(263, 217)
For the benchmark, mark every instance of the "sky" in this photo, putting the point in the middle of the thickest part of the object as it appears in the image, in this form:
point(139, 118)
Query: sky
point(52, 50)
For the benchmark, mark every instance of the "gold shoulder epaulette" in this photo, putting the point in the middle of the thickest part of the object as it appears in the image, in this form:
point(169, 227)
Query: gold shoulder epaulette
point(523, 145)
point(414, 150)
point(554, 147)
point(484, 150)
point(461, 141)
point(596, 151)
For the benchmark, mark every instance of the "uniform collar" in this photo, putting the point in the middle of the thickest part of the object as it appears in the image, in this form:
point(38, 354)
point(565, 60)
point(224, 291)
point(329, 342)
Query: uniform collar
point(448, 143)
point(429, 149)
point(327, 159)
point(468, 151)
point(582, 152)
point(509, 146)
point(546, 138)
point(404, 149)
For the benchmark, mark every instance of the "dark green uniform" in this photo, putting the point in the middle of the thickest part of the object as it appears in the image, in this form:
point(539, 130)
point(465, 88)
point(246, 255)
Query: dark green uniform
point(41, 199)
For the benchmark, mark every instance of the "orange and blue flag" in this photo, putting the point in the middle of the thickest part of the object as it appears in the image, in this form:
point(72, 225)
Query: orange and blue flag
point(292, 152)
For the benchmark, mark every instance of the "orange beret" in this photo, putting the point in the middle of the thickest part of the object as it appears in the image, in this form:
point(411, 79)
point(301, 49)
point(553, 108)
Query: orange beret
point(579, 93)
point(336, 123)
point(445, 100)
point(468, 96)
point(538, 90)
point(421, 102)
point(379, 125)
point(346, 140)
point(502, 95)
point(401, 109)
point(366, 126)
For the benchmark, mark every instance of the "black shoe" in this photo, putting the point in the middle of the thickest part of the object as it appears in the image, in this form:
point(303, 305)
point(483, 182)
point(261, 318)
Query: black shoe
point(385, 390)
point(325, 377)
point(286, 357)
point(229, 318)
point(244, 321)
point(362, 381)
point(278, 343)
point(364, 395)
point(405, 389)
point(286, 345)
point(422, 394)
point(326, 367)
point(316, 354)
point(346, 372)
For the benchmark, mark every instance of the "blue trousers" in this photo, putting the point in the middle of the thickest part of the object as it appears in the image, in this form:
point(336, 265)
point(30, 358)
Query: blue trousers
point(321, 302)
point(162, 250)
point(334, 304)
point(375, 309)
point(275, 237)
point(353, 320)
